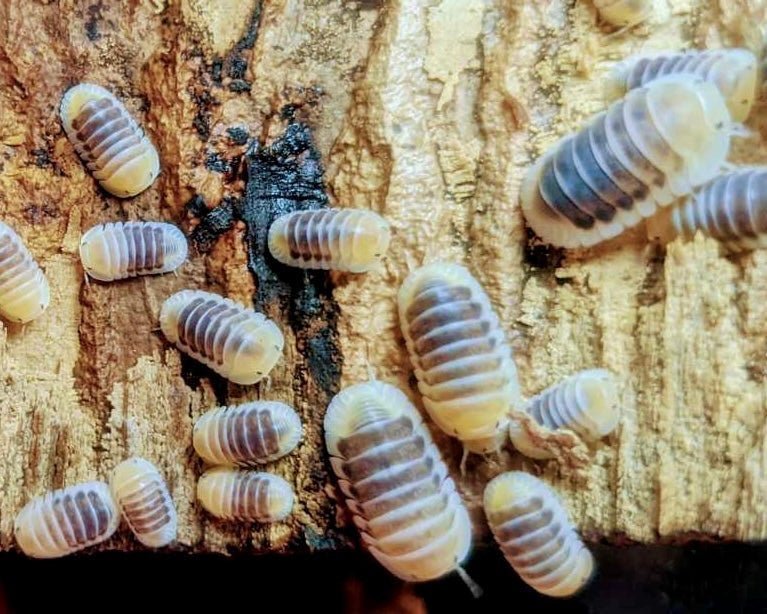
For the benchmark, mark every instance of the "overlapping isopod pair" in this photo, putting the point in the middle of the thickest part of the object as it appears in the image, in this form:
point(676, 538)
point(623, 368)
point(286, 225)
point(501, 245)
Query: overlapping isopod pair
point(624, 13)
point(233, 494)
point(24, 290)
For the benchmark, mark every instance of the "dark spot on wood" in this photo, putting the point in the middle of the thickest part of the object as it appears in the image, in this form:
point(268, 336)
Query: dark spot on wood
point(196, 206)
point(203, 102)
point(238, 135)
point(251, 33)
point(40, 213)
point(192, 372)
point(92, 24)
point(216, 163)
point(237, 68)
point(542, 256)
point(217, 71)
point(215, 223)
point(653, 288)
point(239, 86)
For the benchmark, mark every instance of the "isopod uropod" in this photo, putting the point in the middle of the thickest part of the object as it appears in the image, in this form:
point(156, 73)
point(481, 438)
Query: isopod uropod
point(535, 534)
point(248, 434)
point(245, 495)
point(143, 497)
point(24, 290)
point(624, 13)
point(351, 240)
point(66, 520)
point(126, 249)
point(238, 343)
point(656, 144)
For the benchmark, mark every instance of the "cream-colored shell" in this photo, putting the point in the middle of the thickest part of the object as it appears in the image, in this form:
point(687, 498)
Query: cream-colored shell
point(536, 536)
point(233, 494)
point(624, 13)
point(24, 290)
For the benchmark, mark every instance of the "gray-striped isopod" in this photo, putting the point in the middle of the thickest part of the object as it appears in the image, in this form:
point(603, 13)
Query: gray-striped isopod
point(624, 13)
point(233, 494)
point(657, 144)
point(245, 435)
point(127, 249)
point(109, 141)
point(535, 534)
point(351, 240)
point(143, 497)
point(67, 520)
point(24, 290)
point(236, 342)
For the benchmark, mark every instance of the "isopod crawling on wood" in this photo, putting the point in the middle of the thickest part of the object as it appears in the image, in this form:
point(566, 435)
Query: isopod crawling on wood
point(109, 141)
point(127, 249)
point(24, 290)
point(658, 143)
point(143, 497)
point(624, 13)
point(245, 495)
point(238, 343)
point(248, 434)
point(536, 536)
point(352, 240)
point(66, 520)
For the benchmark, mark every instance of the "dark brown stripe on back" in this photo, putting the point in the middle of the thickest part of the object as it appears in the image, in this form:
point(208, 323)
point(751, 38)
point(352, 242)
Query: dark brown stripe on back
point(212, 328)
point(264, 495)
point(184, 316)
point(381, 457)
point(442, 315)
point(64, 510)
point(374, 435)
point(388, 481)
point(433, 295)
point(270, 438)
point(414, 492)
point(89, 109)
point(96, 122)
point(470, 330)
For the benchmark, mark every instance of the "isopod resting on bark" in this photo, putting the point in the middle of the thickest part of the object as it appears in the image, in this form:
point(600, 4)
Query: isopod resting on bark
point(238, 343)
point(733, 71)
point(109, 141)
point(459, 353)
point(143, 497)
point(396, 485)
point(248, 434)
point(245, 495)
point(658, 143)
point(24, 290)
point(127, 249)
point(586, 403)
point(66, 520)
point(624, 13)
point(352, 240)
point(536, 536)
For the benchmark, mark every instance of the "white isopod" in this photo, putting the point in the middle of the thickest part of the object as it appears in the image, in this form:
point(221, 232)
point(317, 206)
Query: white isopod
point(24, 290)
point(245, 495)
point(624, 13)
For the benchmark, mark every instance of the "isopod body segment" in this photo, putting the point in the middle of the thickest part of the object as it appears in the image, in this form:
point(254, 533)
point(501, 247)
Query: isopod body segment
point(352, 240)
point(396, 485)
point(535, 534)
point(233, 494)
point(66, 520)
point(108, 140)
point(624, 13)
point(238, 343)
point(24, 290)
point(143, 498)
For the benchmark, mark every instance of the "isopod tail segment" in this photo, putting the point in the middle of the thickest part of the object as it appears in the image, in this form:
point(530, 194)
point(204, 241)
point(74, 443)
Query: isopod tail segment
point(624, 14)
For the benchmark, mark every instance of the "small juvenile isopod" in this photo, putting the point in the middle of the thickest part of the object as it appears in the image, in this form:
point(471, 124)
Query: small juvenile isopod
point(238, 343)
point(624, 13)
point(24, 290)
point(109, 141)
point(127, 249)
point(396, 485)
point(535, 534)
point(146, 504)
point(248, 434)
point(459, 352)
point(733, 71)
point(658, 143)
point(586, 403)
point(351, 240)
point(67, 520)
point(245, 495)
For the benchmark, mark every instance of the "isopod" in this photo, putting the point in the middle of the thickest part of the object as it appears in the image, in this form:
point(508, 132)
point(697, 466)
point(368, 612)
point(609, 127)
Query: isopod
point(351, 240)
point(109, 141)
point(536, 536)
point(66, 520)
point(396, 485)
point(460, 355)
point(143, 497)
point(733, 71)
point(24, 290)
point(245, 495)
point(238, 343)
point(127, 249)
point(248, 434)
point(624, 13)
point(656, 144)
point(586, 403)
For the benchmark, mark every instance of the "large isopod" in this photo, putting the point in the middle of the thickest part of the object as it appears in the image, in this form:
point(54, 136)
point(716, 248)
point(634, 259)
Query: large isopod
point(586, 403)
point(733, 71)
point(396, 485)
point(143, 497)
point(536, 536)
point(248, 434)
point(67, 520)
point(351, 240)
point(238, 343)
point(658, 143)
point(624, 13)
point(109, 141)
point(460, 355)
point(24, 290)
point(233, 494)
point(127, 249)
